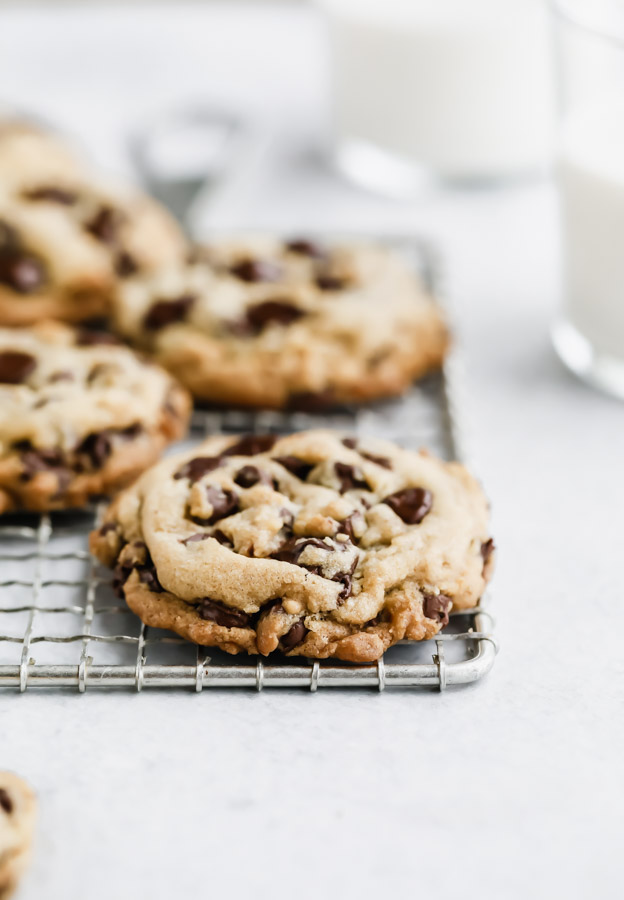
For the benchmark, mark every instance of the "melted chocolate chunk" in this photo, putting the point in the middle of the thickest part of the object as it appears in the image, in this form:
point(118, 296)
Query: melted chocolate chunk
point(104, 226)
point(248, 476)
point(312, 401)
point(6, 803)
point(291, 549)
point(350, 442)
point(346, 527)
point(252, 270)
point(328, 282)
point(20, 271)
point(213, 611)
point(146, 571)
point(280, 312)
point(224, 504)
point(351, 478)
point(52, 194)
point(97, 447)
point(15, 366)
point(487, 548)
point(306, 248)
point(196, 468)
point(294, 635)
point(347, 581)
point(410, 504)
point(35, 460)
point(378, 460)
point(87, 338)
point(222, 538)
point(436, 607)
point(195, 538)
point(166, 312)
point(297, 467)
point(147, 575)
point(250, 444)
point(125, 264)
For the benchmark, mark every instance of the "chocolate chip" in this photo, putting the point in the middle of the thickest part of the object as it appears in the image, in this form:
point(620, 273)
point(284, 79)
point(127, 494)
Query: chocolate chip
point(328, 282)
point(297, 467)
point(346, 526)
point(96, 447)
point(147, 575)
point(105, 224)
point(436, 607)
point(256, 270)
point(195, 538)
point(250, 444)
point(87, 338)
point(38, 460)
point(312, 401)
point(347, 581)
point(217, 612)
point(306, 248)
point(280, 312)
point(15, 366)
point(410, 504)
point(294, 635)
point(21, 271)
point(487, 548)
point(287, 516)
point(196, 468)
point(224, 504)
point(378, 460)
point(291, 549)
point(351, 478)
point(350, 442)
point(52, 194)
point(222, 538)
point(248, 476)
point(125, 265)
point(5, 801)
point(166, 312)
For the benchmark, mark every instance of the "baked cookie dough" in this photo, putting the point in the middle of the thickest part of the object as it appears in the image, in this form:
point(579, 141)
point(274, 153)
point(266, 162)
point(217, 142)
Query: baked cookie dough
point(78, 418)
point(315, 544)
point(17, 820)
point(263, 322)
point(67, 237)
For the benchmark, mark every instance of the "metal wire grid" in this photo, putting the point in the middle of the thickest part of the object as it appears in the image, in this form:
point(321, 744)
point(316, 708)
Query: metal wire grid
point(61, 625)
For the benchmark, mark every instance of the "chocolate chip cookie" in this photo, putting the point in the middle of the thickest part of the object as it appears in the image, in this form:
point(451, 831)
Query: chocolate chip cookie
point(263, 322)
point(315, 544)
point(68, 238)
point(17, 820)
point(79, 417)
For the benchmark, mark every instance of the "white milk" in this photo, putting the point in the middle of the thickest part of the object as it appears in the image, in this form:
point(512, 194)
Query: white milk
point(591, 179)
point(461, 86)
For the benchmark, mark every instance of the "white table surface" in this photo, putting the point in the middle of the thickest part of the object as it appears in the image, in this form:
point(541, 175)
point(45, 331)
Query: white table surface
point(511, 788)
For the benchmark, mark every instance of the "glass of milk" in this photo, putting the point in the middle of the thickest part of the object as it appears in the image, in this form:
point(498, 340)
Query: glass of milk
point(459, 88)
point(589, 334)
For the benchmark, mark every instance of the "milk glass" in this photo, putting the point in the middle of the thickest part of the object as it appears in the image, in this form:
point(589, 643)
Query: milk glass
point(462, 89)
point(589, 333)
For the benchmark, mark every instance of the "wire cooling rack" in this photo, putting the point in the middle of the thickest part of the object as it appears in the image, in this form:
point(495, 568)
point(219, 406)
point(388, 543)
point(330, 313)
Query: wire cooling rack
point(62, 626)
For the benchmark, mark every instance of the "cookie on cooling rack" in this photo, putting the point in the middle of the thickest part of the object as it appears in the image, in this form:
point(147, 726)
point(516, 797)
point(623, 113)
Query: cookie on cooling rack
point(315, 544)
point(17, 821)
point(67, 238)
point(78, 418)
point(267, 323)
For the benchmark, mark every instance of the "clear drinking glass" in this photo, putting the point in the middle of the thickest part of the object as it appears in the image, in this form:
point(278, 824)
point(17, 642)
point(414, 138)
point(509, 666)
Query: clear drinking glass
point(589, 333)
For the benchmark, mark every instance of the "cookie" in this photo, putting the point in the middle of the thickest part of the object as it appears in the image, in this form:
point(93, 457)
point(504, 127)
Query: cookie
point(78, 418)
point(67, 238)
point(17, 821)
point(261, 322)
point(315, 544)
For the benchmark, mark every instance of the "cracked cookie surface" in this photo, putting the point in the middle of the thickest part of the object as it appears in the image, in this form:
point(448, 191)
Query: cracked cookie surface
point(68, 238)
point(78, 418)
point(272, 323)
point(17, 820)
point(315, 544)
